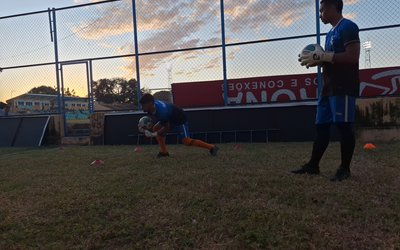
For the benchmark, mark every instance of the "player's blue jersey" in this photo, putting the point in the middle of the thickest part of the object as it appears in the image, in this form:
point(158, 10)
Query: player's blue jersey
point(168, 112)
point(339, 78)
point(163, 111)
point(345, 33)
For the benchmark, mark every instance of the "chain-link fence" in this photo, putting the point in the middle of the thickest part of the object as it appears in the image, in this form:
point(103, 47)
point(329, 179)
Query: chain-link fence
point(61, 59)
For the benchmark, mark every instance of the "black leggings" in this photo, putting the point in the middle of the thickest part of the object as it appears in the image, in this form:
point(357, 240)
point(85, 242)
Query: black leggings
point(347, 143)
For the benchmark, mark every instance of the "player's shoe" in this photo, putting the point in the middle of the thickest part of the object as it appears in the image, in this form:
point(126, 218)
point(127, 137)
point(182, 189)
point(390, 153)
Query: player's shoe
point(306, 169)
point(161, 154)
point(214, 151)
point(341, 174)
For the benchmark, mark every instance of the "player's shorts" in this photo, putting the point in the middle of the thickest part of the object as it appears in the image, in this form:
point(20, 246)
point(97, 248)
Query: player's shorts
point(182, 130)
point(336, 109)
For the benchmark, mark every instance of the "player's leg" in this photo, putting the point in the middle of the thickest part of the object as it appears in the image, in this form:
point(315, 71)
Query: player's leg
point(344, 110)
point(321, 142)
point(184, 134)
point(161, 141)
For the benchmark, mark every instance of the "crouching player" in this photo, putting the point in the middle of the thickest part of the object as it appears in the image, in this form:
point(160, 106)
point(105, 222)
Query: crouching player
point(170, 118)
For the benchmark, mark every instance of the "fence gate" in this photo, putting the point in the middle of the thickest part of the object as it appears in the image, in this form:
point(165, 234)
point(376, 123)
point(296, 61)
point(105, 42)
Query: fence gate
point(76, 97)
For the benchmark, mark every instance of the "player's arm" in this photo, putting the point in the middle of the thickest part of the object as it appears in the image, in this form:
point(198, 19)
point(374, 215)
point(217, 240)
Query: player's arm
point(159, 129)
point(350, 56)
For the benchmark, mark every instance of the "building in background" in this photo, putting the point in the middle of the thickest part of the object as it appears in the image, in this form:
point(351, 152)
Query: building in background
point(42, 103)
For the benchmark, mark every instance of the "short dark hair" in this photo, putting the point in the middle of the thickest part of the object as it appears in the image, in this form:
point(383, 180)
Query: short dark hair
point(146, 98)
point(337, 3)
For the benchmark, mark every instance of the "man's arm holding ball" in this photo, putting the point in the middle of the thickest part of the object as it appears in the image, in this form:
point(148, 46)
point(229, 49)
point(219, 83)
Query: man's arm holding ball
point(319, 56)
point(160, 128)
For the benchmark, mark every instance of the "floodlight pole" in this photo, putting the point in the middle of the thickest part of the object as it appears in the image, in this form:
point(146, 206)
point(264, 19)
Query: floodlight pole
point(367, 47)
point(138, 94)
point(224, 53)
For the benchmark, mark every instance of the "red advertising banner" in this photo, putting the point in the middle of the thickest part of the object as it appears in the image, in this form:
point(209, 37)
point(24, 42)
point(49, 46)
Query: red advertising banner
point(273, 89)
point(380, 82)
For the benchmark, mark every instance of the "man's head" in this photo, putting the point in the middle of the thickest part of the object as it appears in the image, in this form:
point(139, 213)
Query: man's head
point(147, 102)
point(330, 10)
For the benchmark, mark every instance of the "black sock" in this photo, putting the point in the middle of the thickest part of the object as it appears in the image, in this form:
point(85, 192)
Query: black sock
point(321, 142)
point(347, 143)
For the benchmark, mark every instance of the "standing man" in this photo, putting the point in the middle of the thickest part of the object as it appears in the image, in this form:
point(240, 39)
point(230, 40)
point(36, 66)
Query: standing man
point(336, 104)
point(170, 117)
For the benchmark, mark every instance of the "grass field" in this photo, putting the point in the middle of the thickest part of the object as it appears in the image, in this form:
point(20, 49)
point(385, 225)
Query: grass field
point(244, 198)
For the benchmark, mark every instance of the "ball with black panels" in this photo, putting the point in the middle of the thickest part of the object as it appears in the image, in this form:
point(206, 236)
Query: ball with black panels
point(145, 123)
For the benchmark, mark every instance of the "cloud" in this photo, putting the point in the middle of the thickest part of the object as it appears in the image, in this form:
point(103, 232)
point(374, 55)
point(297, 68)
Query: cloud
point(350, 15)
point(165, 25)
point(106, 45)
point(255, 14)
point(350, 2)
point(214, 63)
point(112, 20)
point(116, 18)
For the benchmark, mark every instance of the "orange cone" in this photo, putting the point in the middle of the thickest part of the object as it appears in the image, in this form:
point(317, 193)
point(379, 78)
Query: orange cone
point(369, 146)
point(138, 150)
point(97, 163)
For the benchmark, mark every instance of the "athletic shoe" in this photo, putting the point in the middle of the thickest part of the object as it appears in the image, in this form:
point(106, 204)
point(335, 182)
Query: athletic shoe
point(214, 151)
point(161, 154)
point(306, 169)
point(341, 174)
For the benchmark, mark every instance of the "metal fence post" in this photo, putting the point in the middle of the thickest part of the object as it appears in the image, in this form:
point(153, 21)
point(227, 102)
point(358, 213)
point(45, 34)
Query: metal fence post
point(53, 26)
point(91, 98)
point(224, 53)
point(88, 79)
point(136, 51)
point(318, 31)
point(61, 102)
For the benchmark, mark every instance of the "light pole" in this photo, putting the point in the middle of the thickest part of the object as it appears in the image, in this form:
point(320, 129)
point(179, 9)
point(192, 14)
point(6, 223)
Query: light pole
point(367, 47)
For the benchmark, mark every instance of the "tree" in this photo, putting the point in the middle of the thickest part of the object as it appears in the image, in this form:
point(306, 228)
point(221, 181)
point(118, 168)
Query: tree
point(46, 90)
point(69, 92)
point(115, 90)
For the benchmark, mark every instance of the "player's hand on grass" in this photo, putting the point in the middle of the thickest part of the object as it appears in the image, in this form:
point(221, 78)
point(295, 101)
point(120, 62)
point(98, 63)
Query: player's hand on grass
point(150, 134)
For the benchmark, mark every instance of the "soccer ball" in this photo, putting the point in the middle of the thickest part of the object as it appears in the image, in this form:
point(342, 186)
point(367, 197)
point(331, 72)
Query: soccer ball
point(145, 123)
point(308, 49)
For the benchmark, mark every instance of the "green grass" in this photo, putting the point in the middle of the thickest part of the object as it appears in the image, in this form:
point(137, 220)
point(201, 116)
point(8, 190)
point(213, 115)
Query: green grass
point(241, 199)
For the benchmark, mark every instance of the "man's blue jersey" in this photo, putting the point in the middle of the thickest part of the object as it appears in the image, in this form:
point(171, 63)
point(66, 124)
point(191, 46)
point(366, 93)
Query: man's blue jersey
point(169, 113)
point(339, 78)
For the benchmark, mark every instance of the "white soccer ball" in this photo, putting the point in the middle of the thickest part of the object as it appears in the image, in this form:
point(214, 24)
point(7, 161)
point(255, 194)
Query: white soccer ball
point(145, 123)
point(309, 49)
